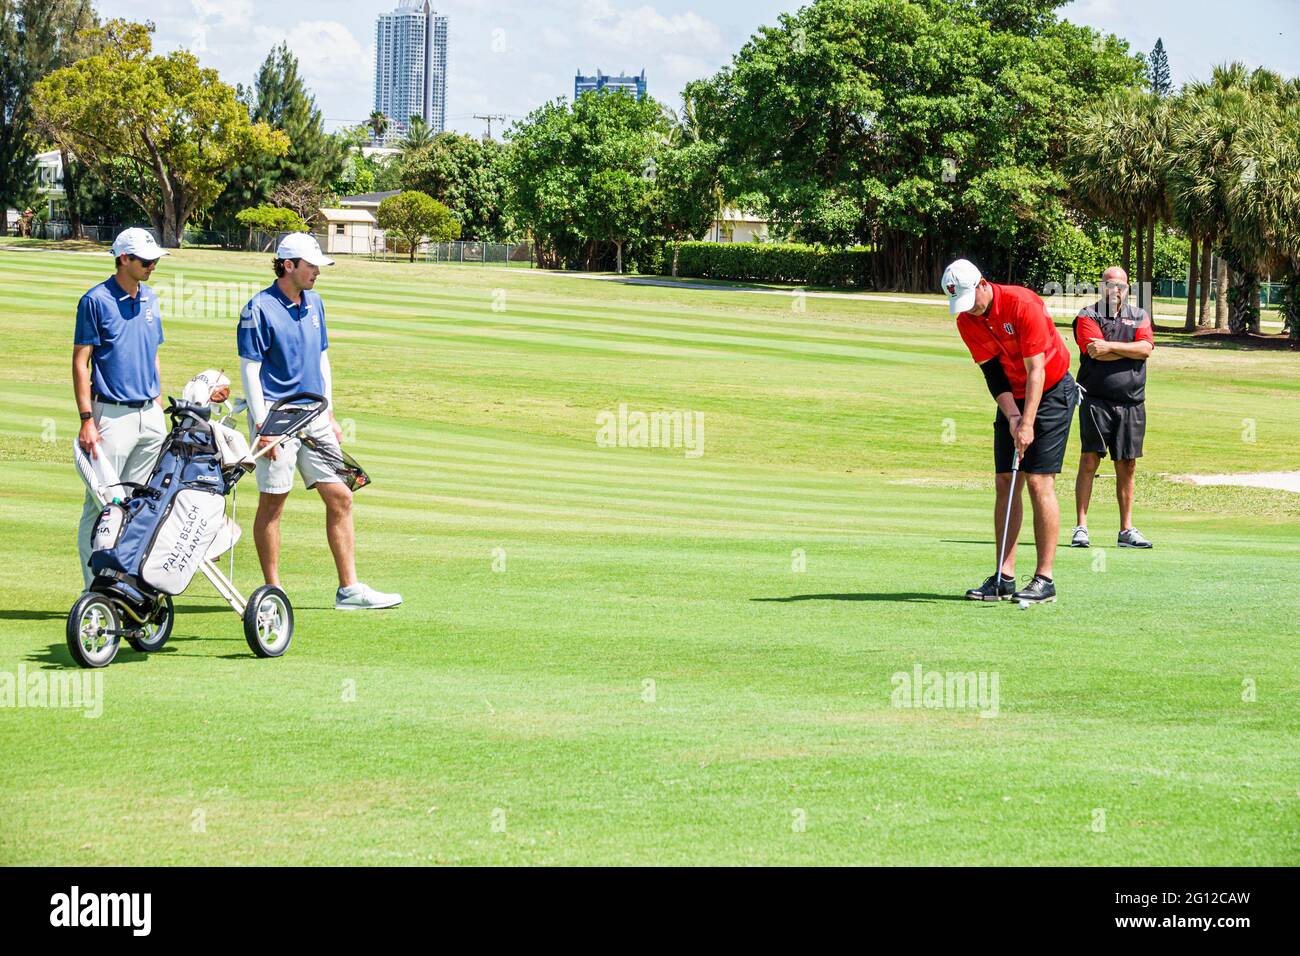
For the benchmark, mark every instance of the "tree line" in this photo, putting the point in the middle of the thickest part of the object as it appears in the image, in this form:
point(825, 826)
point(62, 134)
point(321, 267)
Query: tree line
point(917, 130)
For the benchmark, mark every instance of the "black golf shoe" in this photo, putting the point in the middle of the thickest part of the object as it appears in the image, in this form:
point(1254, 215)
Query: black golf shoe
point(1039, 590)
point(996, 588)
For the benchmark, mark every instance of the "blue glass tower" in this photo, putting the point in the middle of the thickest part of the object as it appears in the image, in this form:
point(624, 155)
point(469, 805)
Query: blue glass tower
point(601, 81)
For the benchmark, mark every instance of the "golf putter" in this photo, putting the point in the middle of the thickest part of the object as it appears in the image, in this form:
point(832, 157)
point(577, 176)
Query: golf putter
point(1006, 524)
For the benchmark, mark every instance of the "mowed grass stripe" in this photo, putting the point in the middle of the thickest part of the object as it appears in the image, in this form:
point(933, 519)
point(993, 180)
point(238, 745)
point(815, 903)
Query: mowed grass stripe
point(527, 315)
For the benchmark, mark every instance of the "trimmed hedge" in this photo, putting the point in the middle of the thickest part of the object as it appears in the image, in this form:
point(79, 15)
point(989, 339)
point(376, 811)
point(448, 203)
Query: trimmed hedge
point(1070, 255)
point(771, 262)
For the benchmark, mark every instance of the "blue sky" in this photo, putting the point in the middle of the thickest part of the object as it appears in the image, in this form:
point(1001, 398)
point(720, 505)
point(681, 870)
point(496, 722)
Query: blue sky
point(508, 57)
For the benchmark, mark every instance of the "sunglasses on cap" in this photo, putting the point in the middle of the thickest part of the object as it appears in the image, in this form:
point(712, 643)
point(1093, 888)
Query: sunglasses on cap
point(147, 263)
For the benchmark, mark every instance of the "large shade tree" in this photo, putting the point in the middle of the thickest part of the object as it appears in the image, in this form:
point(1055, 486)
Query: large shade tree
point(413, 218)
point(174, 123)
point(280, 99)
point(36, 38)
point(577, 177)
point(923, 128)
point(467, 175)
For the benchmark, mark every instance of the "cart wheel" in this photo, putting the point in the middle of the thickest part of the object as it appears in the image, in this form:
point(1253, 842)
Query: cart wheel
point(157, 630)
point(92, 630)
point(268, 621)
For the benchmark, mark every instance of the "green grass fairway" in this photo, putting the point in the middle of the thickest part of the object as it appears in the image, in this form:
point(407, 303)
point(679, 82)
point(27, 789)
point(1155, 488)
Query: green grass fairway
point(610, 655)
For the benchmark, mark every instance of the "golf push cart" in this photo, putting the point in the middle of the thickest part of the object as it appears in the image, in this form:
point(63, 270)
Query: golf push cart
point(149, 542)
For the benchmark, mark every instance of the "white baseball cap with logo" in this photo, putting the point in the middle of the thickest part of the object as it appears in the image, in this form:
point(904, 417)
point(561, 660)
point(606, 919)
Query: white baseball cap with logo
point(302, 245)
point(139, 243)
point(959, 281)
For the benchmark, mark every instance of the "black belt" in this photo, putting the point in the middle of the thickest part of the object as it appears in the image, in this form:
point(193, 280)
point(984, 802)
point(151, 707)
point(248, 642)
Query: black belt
point(109, 401)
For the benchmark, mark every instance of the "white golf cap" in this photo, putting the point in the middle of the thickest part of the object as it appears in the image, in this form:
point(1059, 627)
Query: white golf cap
point(959, 281)
point(302, 245)
point(139, 243)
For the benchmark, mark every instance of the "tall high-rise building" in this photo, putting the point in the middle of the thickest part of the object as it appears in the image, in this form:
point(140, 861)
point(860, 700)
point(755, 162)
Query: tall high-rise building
point(411, 67)
point(635, 84)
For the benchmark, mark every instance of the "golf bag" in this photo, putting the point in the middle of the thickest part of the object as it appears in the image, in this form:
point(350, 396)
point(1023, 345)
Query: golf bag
point(160, 534)
point(150, 539)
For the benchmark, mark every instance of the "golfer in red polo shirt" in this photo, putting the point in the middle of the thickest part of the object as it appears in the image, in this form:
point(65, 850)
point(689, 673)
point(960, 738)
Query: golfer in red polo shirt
point(1012, 338)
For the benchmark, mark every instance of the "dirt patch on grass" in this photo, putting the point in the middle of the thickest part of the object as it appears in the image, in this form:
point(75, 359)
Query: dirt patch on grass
point(15, 244)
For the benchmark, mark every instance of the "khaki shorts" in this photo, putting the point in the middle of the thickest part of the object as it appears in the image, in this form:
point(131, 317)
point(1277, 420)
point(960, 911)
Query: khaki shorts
point(276, 477)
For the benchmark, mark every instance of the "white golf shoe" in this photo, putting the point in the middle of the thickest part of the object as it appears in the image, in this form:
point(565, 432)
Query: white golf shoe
point(1133, 538)
point(362, 597)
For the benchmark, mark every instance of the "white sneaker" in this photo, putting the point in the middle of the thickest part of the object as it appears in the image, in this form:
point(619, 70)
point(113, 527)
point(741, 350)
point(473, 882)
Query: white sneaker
point(362, 597)
point(1080, 538)
point(1133, 538)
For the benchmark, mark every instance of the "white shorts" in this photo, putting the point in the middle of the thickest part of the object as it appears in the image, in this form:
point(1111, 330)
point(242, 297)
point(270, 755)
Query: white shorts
point(276, 477)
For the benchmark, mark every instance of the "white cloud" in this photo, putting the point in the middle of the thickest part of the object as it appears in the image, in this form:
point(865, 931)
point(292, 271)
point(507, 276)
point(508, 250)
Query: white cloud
point(227, 13)
point(690, 66)
point(331, 60)
point(645, 28)
point(556, 38)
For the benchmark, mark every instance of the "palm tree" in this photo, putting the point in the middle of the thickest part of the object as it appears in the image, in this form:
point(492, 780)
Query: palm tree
point(1201, 166)
point(1151, 155)
point(1287, 209)
point(1265, 197)
point(1219, 163)
point(418, 133)
point(379, 125)
point(1115, 162)
point(1192, 209)
point(685, 130)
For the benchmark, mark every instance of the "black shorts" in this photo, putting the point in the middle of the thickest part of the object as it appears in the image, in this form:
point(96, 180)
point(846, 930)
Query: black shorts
point(1051, 430)
point(1107, 427)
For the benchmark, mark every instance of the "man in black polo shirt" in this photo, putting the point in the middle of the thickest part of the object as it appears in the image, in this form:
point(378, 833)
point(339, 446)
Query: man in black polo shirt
point(1114, 342)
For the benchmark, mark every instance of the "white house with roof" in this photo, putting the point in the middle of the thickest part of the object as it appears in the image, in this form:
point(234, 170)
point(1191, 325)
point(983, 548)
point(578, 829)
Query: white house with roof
point(737, 225)
point(49, 180)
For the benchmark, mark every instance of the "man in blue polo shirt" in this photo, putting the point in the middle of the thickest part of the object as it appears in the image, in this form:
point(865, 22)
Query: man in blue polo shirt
point(116, 374)
point(283, 350)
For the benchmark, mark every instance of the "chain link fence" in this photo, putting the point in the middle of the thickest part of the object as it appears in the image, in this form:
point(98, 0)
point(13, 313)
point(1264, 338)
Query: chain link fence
point(372, 246)
point(516, 254)
point(1270, 293)
point(63, 230)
